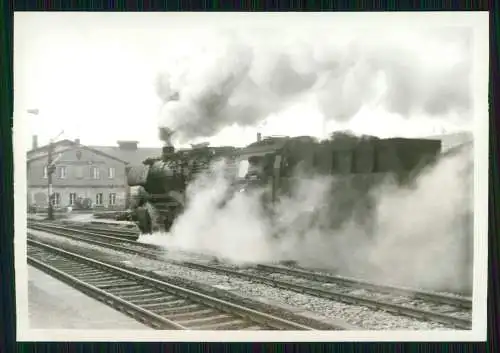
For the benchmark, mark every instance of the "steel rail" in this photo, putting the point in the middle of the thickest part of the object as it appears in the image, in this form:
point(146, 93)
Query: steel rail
point(461, 302)
point(89, 236)
point(147, 317)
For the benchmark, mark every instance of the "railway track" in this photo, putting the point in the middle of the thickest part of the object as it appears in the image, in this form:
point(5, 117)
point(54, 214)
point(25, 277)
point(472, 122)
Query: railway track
point(438, 298)
point(155, 303)
point(448, 310)
point(122, 233)
point(112, 239)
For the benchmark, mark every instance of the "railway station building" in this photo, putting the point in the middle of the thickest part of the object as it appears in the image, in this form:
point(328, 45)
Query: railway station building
point(93, 176)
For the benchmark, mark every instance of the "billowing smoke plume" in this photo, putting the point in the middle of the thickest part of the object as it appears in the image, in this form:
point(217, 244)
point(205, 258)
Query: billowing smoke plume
point(241, 79)
point(165, 135)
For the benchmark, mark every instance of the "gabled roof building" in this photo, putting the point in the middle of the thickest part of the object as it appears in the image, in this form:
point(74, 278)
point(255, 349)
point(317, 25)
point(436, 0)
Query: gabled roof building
point(94, 175)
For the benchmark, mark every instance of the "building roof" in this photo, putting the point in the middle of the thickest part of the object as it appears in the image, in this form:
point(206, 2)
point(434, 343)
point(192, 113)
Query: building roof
point(131, 156)
point(43, 151)
point(44, 148)
point(127, 152)
point(452, 140)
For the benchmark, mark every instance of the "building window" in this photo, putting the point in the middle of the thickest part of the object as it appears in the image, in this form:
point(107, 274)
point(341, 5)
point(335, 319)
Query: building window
point(79, 172)
point(111, 172)
point(45, 172)
point(56, 199)
point(112, 199)
point(61, 172)
point(95, 172)
point(98, 199)
point(72, 198)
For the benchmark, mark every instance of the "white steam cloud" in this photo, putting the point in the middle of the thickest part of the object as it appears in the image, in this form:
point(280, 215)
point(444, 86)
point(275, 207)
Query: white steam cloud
point(418, 236)
point(240, 79)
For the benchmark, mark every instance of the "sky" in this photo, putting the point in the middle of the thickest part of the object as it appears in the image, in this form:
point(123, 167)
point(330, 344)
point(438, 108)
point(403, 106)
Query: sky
point(103, 77)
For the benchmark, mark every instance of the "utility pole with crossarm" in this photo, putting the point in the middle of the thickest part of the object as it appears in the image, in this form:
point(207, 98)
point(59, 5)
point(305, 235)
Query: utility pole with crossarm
point(51, 167)
point(50, 170)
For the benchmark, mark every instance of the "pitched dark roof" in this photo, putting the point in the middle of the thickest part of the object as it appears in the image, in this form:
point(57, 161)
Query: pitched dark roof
point(44, 148)
point(452, 140)
point(466, 146)
point(126, 155)
point(131, 156)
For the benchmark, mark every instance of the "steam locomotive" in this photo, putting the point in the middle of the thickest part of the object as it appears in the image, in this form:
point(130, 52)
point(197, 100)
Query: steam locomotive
point(274, 164)
point(158, 186)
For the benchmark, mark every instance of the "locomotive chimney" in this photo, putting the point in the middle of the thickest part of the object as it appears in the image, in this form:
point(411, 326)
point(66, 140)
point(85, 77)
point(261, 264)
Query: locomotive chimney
point(259, 137)
point(166, 150)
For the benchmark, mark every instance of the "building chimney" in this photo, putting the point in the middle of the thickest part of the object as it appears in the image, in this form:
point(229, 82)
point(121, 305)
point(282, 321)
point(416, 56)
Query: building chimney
point(77, 141)
point(128, 145)
point(259, 137)
point(34, 142)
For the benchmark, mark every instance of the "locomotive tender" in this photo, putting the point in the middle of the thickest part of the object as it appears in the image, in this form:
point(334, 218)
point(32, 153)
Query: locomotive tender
point(357, 164)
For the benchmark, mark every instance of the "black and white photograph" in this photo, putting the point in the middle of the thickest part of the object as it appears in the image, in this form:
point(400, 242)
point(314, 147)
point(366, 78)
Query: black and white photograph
point(248, 176)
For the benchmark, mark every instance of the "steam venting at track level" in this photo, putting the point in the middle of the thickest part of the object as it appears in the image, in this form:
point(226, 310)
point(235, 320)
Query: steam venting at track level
point(348, 203)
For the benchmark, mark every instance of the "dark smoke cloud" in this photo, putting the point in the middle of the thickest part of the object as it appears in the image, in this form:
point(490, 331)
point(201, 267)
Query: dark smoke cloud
point(232, 80)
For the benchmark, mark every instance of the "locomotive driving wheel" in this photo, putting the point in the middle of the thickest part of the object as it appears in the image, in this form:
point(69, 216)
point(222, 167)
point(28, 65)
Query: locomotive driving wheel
point(172, 216)
point(144, 221)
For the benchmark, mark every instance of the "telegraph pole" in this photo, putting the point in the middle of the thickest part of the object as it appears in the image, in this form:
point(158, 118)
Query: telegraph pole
point(50, 170)
point(51, 167)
